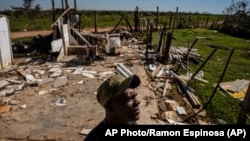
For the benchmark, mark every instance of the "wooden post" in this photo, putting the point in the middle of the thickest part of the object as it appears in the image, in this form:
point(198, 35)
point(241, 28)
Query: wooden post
point(151, 28)
point(168, 44)
point(189, 21)
point(197, 22)
point(95, 22)
point(216, 24)
point(157, 18)
point(170, 21)
point(117, 24)
point(80, 22)
point(66, 17)
point(212, 25)
point(75, 7)
point(75, 4)
point(62, 5)
point(175, 17)
point(54, 19)
point(53, 11)
point(245, 108)
point(66, 4)
point(180, 22)
point(206, 22)
point(129, 25)
point(147, 36)
point(159, 46)
point(136, 19)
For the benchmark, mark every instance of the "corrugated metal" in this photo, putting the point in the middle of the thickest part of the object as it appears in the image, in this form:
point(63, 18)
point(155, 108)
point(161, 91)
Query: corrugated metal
point(6, 58)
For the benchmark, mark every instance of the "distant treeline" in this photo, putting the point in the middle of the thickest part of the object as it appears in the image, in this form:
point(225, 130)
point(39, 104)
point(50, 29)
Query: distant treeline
point(42, 20)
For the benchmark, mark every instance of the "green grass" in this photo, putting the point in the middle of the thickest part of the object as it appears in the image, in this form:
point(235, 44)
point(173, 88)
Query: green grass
point(221, 106)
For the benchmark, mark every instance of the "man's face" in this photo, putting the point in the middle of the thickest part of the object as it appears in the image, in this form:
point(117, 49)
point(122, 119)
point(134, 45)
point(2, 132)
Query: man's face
point(126, 105)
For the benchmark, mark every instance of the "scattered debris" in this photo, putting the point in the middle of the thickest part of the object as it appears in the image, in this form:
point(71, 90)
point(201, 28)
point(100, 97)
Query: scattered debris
point(85, 131)
point(60, 102)
point(236, 89)
point(5, 108)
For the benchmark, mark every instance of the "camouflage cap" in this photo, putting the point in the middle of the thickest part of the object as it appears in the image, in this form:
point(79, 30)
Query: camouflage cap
point(114, 86)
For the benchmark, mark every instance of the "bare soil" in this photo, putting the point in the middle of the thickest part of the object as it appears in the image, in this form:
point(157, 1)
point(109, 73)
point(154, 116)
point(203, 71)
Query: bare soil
point(21, 34)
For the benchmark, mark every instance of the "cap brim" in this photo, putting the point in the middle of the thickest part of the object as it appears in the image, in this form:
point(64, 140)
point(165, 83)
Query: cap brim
point(132, 81)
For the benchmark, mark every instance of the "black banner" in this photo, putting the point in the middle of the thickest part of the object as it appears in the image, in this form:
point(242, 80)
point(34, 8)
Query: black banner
point(194, 132)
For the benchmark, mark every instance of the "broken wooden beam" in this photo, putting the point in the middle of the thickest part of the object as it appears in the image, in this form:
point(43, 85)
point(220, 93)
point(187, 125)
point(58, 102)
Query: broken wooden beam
point(187, 90)
point(58, 19)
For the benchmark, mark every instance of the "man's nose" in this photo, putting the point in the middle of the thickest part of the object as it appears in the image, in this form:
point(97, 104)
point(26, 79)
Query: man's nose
point(136, 101)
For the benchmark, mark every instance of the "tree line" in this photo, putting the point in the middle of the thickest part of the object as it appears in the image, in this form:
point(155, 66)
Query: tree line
point(234, 20)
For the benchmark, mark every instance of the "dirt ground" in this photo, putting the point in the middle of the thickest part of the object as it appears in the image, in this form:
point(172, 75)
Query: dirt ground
point(20, 34)
point(35, 115)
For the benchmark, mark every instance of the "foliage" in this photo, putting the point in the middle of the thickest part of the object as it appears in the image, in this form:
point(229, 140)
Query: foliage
point(42, 20)
point(27, 9)
point(237, 20)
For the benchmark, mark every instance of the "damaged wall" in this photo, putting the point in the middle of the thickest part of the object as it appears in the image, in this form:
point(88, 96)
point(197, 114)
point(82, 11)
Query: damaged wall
point(6, 58)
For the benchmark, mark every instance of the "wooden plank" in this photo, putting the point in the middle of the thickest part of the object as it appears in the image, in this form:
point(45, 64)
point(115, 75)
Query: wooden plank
point(79, 35)
point(61, 16)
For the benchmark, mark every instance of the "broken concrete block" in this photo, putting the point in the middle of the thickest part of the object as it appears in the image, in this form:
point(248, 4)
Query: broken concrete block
point(44, 81)
point(172, 122)
point(60, 81)
point(78, 71)
point(85, 131)
point(24, 106)
point(20, 87)
point(27, 60)
point(43, 92)
point(171, 115)
point(41, 72)
point(56, 73)
point(51, 90)
point(3, 83)
point(181, 110)
point(30, 78)
point(7, 92)
point(172, 103)
point(88, 75)
point(54, 69)
point(79, 82)
point(10, 92)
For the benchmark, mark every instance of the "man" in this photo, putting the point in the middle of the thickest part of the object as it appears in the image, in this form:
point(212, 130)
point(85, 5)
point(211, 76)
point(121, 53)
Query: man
point(118, 97)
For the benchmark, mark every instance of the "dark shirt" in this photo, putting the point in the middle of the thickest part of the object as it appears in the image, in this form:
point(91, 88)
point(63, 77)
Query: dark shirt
point(97, 133)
